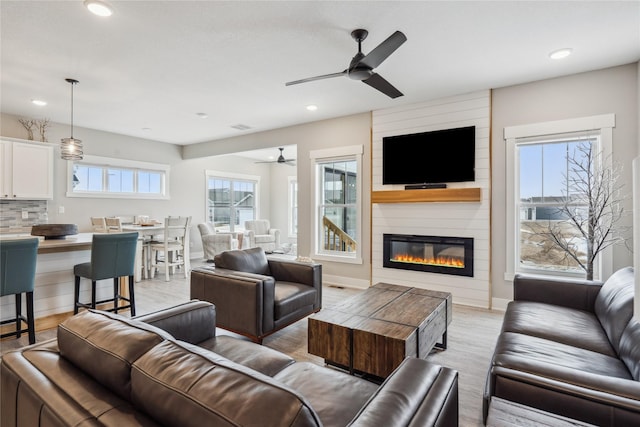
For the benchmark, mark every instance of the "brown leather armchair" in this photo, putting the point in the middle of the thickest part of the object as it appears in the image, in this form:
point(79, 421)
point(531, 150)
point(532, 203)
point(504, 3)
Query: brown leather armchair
point(255, 296)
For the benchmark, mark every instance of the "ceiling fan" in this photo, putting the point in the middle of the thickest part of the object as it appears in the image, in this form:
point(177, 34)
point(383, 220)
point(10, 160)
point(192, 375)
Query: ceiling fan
point(361, 66)
point(281, 159)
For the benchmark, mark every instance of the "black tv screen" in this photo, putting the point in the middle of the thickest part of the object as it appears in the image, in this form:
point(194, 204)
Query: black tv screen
point(430, 157)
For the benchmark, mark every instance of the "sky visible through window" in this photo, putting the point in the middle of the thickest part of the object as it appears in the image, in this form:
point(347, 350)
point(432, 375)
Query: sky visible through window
point(543, 168)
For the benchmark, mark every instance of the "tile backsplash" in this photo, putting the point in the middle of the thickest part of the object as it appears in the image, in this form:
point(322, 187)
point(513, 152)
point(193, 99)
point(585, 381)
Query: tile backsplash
point(11, 212)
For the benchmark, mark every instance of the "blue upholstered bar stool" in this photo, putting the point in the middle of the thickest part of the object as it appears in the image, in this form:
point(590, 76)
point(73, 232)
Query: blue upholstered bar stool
point(17, 274)
point(112, 257)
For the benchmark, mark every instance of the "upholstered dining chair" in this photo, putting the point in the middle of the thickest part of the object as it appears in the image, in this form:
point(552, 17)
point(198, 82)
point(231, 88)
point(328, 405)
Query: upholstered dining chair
point(174, 247)
point(114, 224)
point(112, 257)
point(17, 277)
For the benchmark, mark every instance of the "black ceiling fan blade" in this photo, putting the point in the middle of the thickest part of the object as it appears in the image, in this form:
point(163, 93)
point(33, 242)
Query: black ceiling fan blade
point(383, 50)
point(377, 82)
point(311, 79)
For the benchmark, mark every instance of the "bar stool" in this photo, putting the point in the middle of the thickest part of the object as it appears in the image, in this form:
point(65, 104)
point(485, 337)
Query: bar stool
point(112, 257)
point(17, 276)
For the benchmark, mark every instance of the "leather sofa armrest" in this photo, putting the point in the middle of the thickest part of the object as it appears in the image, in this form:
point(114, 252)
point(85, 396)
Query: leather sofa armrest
point(416, 393)
point(193, 322)
point(309, 274)
point(571, 293)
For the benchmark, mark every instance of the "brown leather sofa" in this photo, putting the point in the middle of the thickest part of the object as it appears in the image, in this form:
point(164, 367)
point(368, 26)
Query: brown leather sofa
point(571, 348)
point(107, 370)
point(256, 296)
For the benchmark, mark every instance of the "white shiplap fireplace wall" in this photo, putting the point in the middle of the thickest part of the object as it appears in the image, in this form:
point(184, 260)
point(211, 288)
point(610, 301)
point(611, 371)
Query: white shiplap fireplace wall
point(451, 219)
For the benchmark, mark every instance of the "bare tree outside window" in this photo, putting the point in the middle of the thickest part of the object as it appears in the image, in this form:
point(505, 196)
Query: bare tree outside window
point(591, 212)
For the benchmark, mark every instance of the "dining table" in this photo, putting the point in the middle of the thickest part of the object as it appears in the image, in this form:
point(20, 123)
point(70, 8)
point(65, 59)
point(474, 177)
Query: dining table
point(146, 232)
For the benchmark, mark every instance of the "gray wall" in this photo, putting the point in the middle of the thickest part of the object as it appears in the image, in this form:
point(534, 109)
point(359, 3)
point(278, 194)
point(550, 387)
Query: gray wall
point(342, 131)
point(612, 90)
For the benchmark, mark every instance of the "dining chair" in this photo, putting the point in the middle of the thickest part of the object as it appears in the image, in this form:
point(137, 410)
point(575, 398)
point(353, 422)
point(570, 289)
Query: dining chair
point(98, 224)
point(17, 276)
point(114, 224)
point(112, 257)
point(174, 247)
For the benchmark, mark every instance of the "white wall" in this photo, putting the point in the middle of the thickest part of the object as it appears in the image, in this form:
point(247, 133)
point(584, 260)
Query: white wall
point(468, 219)
point(612, 90)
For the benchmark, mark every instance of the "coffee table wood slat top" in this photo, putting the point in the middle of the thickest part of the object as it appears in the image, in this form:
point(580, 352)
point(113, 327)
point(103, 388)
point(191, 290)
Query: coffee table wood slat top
point(373, 331)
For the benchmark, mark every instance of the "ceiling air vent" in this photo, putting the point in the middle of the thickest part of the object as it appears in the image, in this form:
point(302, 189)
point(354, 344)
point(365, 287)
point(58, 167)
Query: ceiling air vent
point(241, 127)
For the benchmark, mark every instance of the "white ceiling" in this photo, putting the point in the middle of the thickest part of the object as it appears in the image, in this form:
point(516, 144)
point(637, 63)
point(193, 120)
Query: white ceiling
point(155, 64)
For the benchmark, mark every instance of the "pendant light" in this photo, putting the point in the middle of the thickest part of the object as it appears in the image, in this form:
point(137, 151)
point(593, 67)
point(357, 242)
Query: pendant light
point(71, 148)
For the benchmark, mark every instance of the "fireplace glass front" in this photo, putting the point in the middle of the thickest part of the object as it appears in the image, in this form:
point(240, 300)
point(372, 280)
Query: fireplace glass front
point(434, 254)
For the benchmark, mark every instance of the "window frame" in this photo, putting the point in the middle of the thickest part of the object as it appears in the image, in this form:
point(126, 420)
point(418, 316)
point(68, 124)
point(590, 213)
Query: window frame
point(602, 125)
point(232, 177)
point(317, 157)
point(134, 166)
point(292, 204)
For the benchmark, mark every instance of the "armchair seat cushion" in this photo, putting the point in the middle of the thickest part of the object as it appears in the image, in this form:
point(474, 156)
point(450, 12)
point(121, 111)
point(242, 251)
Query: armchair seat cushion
point(577, 328)
point(291, 297)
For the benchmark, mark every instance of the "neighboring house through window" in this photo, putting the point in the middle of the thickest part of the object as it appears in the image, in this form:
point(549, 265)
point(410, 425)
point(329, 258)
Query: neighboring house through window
point(230, 200)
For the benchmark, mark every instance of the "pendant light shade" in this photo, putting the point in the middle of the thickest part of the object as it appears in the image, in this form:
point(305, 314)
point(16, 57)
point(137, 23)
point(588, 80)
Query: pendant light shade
point(71, 148)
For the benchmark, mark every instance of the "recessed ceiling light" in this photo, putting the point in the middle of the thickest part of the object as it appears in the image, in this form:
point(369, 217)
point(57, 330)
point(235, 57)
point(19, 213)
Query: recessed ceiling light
point(312, 107)
point(99, 7)
point(560, 53)
point(202, 115)
point(39, 102)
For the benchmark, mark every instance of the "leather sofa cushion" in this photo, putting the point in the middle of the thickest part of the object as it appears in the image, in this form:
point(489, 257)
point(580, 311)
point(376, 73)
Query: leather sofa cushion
point(556, 360)
point(334, 396)
point(252, 260)
point(614, 304)
point(104, 345)
point(183, 385)
point(259, 358)
point(51, 391)
point(630, 348)
point(291, 297)
point(570, 326)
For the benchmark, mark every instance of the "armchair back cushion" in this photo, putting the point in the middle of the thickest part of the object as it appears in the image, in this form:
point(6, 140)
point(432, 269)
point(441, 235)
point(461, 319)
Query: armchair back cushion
point(258, 226)
point(252, 260)
point(614, 304)
point(630, 348)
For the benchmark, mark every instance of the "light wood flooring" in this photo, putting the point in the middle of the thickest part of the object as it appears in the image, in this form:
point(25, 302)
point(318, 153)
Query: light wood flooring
point(471, 337)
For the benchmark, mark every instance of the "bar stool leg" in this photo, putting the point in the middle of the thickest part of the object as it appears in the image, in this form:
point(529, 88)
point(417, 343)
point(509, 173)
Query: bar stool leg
point(18, 315)
point(116, 294)
point(76, 295)
point(93, 294)
point(132, 299)
point(31, 321)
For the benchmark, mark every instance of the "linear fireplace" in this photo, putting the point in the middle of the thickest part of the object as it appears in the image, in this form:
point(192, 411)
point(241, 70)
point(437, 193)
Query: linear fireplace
point(435, 254)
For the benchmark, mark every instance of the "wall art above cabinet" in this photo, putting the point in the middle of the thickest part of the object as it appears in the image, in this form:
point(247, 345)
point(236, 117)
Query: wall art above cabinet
point(27, 170)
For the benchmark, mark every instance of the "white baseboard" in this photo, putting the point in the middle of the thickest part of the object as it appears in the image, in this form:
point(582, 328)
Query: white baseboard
point(499, 304)
point(349, 282)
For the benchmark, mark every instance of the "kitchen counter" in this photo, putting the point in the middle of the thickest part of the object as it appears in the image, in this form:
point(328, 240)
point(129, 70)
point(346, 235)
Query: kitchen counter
point(76, 242)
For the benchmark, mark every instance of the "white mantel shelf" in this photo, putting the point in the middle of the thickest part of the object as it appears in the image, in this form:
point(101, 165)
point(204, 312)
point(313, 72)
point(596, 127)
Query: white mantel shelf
point(427, 195)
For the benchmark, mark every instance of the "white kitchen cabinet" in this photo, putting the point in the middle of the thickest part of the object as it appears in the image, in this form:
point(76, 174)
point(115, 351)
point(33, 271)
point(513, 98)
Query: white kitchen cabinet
point(27, 170)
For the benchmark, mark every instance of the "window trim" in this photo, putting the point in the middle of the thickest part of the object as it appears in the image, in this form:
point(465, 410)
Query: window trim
point(320, 156)
point(110, 162)
point(603, 124)
point(208, 173)
point(291, 181)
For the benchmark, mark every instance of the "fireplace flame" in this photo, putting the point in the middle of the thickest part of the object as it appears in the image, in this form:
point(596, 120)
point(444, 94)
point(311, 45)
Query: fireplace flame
point(441, 261)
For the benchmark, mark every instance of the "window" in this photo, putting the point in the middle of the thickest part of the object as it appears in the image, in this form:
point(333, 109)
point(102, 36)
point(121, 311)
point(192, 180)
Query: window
point(231, 200)
point(540, 168)
point(293, 206)
point(337, 206)
point(117, 178)
point(545, 174)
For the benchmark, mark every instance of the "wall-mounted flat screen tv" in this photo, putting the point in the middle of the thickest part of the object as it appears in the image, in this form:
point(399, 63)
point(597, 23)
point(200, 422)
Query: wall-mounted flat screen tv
point(440, 156)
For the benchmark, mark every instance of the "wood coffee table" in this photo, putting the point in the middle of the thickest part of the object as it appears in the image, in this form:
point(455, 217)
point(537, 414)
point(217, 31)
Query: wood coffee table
point(372, 332)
